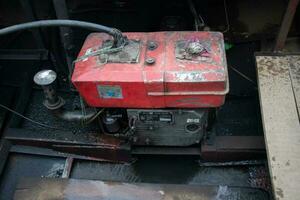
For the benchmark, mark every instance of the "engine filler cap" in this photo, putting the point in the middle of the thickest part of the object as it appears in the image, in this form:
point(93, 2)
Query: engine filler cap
point(45, 77)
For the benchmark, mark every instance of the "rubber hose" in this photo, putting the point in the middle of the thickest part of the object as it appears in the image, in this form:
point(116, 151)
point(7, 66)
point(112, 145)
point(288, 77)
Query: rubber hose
point(119, 39)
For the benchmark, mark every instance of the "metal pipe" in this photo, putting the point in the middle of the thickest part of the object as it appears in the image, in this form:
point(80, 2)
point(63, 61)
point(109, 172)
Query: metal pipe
point(74, 116)
point(55, 103)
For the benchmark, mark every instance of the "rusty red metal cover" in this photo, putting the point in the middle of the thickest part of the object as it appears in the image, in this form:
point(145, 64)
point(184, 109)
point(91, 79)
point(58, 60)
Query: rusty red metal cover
point(155, 70)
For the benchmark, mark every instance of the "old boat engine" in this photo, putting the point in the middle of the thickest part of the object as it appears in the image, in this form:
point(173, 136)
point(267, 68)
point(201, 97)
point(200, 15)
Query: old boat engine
point(154, 89)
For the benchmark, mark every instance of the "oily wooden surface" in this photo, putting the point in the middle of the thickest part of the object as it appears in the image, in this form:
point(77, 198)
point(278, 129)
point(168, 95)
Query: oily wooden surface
point(76, 189)
point(281, 121)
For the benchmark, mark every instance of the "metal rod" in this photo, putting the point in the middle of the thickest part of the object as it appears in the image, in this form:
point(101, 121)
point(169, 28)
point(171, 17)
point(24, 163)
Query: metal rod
point(60, 7)
point(286, 24)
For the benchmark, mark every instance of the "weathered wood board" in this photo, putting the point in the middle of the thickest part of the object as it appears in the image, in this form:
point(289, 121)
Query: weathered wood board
point(75, 189)
point(295, 77)
point(278, 86)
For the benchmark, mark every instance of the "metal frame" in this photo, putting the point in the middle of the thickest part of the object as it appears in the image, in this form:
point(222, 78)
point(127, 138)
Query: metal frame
point(233, 148)
point(103, 148)
point(23, 54)
point(217, 148)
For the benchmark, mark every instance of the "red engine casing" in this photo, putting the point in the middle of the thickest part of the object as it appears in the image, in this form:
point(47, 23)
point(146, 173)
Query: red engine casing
point(177, 78)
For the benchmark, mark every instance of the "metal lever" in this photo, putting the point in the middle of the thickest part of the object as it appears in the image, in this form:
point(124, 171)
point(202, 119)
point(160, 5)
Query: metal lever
point(46, 79)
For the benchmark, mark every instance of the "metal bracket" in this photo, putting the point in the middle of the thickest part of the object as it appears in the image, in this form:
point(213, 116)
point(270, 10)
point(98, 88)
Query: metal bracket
point(130, 53)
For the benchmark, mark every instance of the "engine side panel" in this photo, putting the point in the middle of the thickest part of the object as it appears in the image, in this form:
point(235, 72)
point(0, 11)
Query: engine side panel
point(182, 127)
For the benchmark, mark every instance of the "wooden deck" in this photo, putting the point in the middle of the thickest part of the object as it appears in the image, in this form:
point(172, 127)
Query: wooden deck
point(279, 90)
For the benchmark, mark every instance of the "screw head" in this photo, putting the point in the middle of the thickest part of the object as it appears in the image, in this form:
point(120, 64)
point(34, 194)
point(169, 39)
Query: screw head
point(152, 45)
point(150, 61)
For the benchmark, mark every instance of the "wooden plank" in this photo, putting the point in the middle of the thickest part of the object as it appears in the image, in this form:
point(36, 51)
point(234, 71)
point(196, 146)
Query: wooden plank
point(72, 189)
point(295, 77)
point(281, 125)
